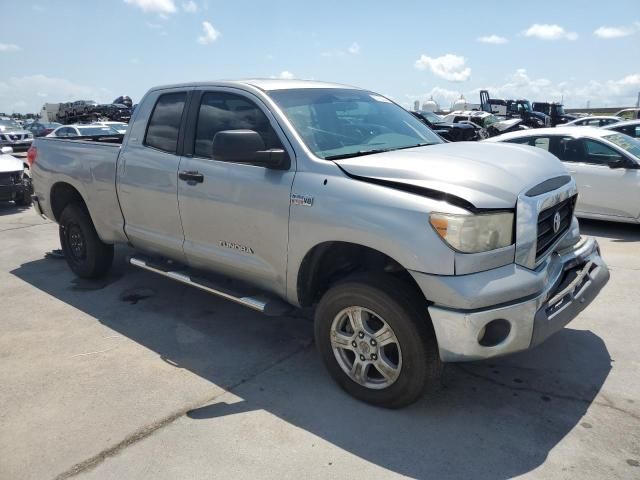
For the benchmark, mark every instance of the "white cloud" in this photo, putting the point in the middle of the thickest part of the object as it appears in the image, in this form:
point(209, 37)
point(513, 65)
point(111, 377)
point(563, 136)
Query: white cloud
point(545, 31)
point(493, 39)
point(162, 7)
point(450, 67)
point(190, 6)
point(631, 80)
point(9, 47)
point(354, 48)
point(28, 93)
point(209, 35)
point(286, 74)
point(613, 32)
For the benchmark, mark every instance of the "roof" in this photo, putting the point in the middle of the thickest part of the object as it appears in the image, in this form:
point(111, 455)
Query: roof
point(266, 84)
point(576, 132)
point(597, 117)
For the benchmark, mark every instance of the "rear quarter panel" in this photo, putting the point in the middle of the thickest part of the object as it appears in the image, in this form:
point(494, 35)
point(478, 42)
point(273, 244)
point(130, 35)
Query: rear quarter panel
point(90, 168)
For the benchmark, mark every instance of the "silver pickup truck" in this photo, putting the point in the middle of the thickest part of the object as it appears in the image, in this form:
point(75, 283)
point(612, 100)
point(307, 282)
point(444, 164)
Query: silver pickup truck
point(413, 252)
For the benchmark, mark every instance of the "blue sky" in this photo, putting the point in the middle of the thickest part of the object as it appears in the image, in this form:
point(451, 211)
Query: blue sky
point(584, 51)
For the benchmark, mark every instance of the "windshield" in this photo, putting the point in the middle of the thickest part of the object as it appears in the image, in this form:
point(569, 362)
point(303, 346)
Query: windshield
point(559, 109)
point(432, 117)
point(340, 123)
point(97, 131)
point(9, 125)
point(630, 144)
point(489, 120)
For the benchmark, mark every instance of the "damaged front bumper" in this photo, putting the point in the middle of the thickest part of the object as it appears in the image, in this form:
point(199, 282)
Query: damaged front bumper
point(512, 308)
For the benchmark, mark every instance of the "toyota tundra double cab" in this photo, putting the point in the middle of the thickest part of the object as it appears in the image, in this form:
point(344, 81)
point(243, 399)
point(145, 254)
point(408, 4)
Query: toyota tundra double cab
point(411, 252)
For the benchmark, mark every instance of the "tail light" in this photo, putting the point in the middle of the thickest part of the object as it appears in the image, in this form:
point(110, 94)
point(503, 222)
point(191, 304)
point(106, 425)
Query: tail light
point(32, 154)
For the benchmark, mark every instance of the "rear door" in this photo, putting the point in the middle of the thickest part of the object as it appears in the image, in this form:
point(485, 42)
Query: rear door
point(601, 190)
point(148, 175)
point(236, 219)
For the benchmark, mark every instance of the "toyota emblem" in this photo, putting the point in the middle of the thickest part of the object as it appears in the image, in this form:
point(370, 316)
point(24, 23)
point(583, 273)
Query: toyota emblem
point(556, 222)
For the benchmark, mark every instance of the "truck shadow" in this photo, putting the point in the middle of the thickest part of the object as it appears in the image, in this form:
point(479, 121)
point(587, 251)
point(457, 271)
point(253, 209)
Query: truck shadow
point(10, 208)
point(492, 419)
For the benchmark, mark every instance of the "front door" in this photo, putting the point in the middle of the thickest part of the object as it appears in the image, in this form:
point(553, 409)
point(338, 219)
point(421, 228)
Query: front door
point(602, 190)
point(235, 216)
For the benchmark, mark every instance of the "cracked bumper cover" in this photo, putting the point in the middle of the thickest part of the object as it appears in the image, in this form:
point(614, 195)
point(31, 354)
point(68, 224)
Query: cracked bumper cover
point(535, 303)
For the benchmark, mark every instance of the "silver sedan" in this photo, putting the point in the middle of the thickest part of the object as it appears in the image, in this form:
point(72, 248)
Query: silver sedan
point(604, 163)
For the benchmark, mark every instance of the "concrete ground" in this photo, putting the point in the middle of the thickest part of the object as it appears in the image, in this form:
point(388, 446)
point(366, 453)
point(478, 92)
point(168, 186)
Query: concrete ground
point(140, 377)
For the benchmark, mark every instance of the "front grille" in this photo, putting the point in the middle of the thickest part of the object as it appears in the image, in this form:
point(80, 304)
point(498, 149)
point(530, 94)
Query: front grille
point(10, 178)
point(546, 235)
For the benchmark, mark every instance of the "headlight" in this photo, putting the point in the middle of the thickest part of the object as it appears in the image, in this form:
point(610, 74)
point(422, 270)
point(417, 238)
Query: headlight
point(474, 233)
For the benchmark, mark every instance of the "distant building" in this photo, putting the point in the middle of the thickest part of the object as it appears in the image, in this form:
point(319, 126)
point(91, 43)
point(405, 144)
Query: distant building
point(430, 105)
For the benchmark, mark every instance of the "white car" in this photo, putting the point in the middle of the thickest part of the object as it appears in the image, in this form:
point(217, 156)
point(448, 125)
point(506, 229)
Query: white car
point(593, 121)
point(120, 127)
point(15, 183)
point(604, 163)
point(67, 131)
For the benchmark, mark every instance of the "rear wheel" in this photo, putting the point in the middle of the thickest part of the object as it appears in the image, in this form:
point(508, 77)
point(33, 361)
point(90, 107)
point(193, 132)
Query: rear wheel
point(377, 341)
point(85, 253)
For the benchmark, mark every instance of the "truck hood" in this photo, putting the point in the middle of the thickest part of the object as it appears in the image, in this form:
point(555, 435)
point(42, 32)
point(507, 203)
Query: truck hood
point(486, 175)
point(9, 163)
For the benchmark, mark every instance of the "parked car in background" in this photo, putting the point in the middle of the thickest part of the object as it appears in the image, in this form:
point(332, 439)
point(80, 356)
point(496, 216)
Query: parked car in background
point(629, 113)
point(486, 124)
point(120, 127)
point(510, 109)
point(605, 164)
point(90, 130)
point(114, 111)
point(62, 113)
point(307, 194)
point(629, 127)
point(124, 100)
point(593, 121)
point(83, 107)
point(41, 129)
point(15, 183)
point(14, 136)
point(453, 132)
point(555, 111)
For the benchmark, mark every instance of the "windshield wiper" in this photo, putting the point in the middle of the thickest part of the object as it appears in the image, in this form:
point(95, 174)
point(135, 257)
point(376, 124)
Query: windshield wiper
point(361, 153)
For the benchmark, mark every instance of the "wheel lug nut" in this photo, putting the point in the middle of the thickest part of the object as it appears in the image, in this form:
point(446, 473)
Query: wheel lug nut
point(354, 344)
point(362, 358)
point(373, 342)
point(361, 335)
point(374, 356)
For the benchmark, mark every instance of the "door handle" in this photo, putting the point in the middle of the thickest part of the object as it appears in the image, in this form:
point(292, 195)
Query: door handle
point(191, 177)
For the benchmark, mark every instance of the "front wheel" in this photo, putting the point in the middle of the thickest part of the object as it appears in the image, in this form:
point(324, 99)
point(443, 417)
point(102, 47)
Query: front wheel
point(377, 341)
point(85, 253)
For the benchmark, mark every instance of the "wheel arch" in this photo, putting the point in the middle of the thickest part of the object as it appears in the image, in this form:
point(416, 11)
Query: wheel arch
point(331, 261)
point(62, 194)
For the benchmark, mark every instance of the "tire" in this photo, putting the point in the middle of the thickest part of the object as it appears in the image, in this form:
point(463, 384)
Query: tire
point(23, 199)
point(383, 300)
point(87, 256)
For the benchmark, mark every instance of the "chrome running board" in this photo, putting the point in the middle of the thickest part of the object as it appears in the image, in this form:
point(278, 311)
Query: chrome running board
point(261, 303)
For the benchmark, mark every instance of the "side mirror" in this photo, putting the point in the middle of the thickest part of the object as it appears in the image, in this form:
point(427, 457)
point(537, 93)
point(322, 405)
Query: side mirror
point(247, 146)
point(618, 163)
point(7, 150)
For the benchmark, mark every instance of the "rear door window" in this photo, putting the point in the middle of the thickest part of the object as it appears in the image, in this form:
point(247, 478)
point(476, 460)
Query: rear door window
point(164, 125)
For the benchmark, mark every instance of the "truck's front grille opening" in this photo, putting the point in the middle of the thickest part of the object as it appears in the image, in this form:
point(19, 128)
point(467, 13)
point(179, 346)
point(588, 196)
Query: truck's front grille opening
point(552, 226)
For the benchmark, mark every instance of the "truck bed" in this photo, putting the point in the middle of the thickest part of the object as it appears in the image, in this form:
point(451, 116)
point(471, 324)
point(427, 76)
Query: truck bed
point(88, 165)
